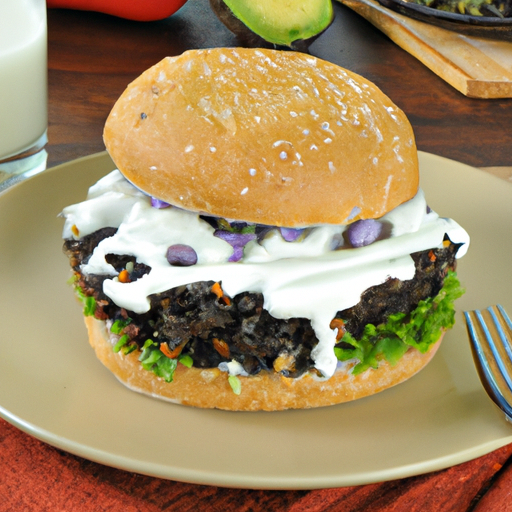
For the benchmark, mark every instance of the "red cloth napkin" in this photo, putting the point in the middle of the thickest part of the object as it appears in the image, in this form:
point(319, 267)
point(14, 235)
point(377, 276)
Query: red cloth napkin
point(37, 477)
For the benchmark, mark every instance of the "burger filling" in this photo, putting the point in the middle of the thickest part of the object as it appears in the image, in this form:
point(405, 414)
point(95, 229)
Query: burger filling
point(181, 287)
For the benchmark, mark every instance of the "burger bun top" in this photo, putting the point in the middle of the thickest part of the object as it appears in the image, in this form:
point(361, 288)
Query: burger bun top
point(264, 136)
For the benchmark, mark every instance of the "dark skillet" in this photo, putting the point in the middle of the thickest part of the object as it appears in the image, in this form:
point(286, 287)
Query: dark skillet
point(488, 26)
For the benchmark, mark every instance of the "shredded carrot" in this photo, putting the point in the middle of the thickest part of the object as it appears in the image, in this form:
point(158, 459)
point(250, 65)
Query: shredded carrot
point(284, 362)
point(75, 230)
point(221, 347)
point(217, 290)
point(431, 256)
point(171, 354)
point(339, 324)
point(124, 276)
point(446, 243)
point(164, 348)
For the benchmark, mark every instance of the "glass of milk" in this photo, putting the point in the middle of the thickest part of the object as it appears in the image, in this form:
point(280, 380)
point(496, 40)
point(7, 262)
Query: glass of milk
point(23, 89)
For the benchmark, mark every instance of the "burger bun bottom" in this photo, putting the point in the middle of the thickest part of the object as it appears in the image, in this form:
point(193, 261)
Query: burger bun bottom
point(267, 391)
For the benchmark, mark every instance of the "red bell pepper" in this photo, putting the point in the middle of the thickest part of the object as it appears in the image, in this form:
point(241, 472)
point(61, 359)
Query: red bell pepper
point(139, 10)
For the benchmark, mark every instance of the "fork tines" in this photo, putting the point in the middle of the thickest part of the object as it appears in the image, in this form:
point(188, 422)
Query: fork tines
point(490, 332)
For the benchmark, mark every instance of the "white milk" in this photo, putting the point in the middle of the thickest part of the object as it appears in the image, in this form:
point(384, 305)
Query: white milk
point(23, 75)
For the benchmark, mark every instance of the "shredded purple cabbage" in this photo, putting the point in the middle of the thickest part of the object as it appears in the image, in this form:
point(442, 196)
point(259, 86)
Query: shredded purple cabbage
point(237, 240)
point(291, 234)
point(158, 203)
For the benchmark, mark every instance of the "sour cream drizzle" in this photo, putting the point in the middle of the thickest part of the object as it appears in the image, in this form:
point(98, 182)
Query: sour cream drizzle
point(313, 278)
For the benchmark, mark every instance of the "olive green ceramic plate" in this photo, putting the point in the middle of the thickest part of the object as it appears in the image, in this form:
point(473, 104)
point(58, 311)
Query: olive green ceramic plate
point(52, 386)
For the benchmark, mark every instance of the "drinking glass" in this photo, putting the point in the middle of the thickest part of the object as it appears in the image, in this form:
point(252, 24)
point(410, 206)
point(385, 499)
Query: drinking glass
point(23, 89)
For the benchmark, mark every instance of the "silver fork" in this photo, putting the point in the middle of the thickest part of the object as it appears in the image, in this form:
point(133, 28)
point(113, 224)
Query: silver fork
point(490, 333)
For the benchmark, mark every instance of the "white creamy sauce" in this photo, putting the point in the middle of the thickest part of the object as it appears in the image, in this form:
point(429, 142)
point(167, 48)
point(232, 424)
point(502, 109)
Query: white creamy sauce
point(233, 368)
point(305, 279)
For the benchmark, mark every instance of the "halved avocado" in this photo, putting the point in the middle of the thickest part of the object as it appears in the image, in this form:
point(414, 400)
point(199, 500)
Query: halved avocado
point(279, 22)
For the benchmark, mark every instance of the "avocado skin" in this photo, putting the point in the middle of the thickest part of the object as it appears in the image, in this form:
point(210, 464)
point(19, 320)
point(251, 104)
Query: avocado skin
point(249, 38)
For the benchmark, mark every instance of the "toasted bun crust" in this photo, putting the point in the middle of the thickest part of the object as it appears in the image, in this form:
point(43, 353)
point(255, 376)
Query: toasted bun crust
point(264, 136)
point(263, 392)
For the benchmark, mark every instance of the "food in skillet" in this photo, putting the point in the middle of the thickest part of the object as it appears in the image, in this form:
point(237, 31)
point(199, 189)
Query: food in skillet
point(264, 244)
point(492, 8)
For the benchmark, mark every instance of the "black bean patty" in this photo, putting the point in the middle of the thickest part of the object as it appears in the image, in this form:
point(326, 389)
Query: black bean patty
point(199, 320)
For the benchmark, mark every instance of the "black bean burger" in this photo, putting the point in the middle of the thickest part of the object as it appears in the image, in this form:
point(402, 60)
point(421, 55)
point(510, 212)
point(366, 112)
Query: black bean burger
point(264, 243)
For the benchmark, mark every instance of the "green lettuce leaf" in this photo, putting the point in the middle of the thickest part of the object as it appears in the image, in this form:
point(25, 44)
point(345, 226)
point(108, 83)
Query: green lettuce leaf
point(419, 329)
point(88, 302)
point(154, 360)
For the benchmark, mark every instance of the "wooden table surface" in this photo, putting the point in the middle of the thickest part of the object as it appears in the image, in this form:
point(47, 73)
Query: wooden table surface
point(92, 57)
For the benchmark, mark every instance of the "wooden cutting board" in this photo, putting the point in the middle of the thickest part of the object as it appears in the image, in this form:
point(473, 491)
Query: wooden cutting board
point(477, 67)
